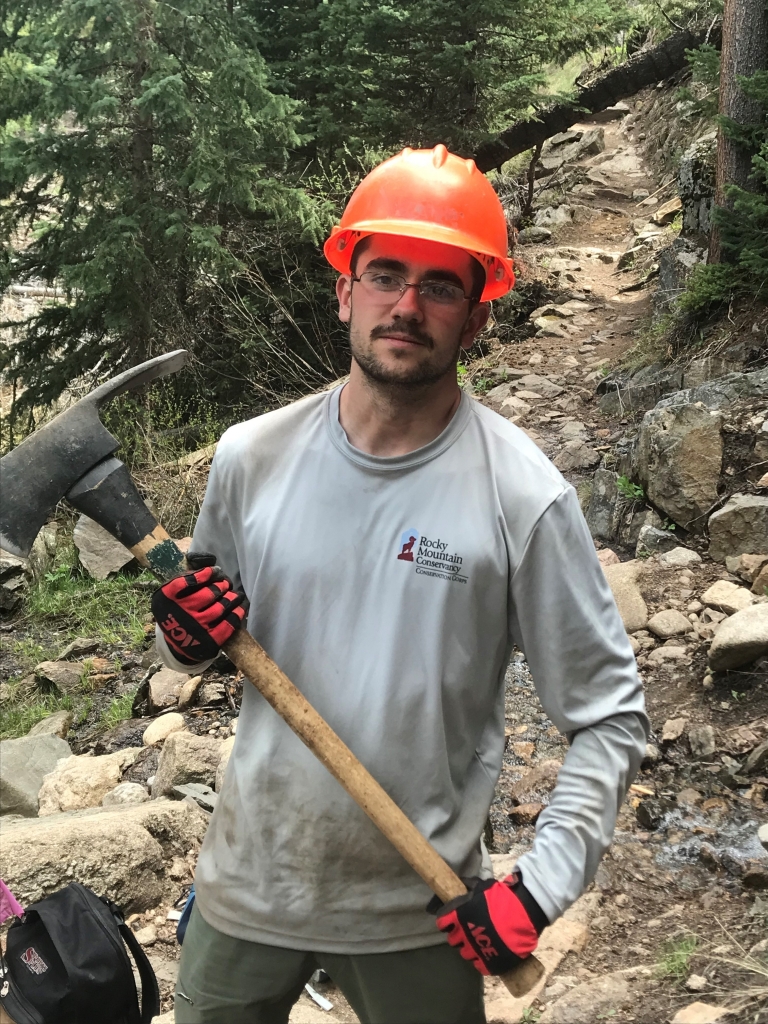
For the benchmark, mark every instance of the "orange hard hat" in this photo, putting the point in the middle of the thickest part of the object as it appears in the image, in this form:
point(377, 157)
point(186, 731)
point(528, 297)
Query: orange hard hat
point(434, 195)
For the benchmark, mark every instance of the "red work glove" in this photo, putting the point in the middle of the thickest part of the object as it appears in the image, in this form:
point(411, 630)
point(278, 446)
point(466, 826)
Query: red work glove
point(496, 925)
point(198, 611)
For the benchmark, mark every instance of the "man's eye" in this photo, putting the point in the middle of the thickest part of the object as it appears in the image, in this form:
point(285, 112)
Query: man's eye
point(438, 290)
point(385, 282)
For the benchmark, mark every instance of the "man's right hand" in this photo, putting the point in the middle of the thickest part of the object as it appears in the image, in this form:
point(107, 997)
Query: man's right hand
point(198, 611)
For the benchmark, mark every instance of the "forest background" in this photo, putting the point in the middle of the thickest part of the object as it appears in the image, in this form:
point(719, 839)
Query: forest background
point(172, 168)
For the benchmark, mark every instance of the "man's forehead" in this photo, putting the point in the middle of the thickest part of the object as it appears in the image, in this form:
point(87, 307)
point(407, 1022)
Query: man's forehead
point(399, 253)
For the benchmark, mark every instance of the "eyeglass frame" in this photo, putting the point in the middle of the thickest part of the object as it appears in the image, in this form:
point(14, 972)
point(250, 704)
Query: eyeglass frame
point(415, 284)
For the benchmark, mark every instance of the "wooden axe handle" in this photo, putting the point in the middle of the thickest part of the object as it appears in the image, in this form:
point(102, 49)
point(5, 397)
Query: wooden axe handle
point(314, 731)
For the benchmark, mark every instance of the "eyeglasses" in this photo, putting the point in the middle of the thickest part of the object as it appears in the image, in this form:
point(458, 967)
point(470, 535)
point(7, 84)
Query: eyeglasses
point(379, 283)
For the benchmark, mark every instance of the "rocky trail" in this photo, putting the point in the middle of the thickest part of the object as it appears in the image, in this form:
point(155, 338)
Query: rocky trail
point(675, 918)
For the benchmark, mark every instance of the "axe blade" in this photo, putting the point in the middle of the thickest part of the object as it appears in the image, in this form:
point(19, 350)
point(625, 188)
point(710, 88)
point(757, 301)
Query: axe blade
point(39, 472)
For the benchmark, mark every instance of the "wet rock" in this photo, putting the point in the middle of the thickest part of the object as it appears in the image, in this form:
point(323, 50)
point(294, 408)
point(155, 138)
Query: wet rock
point(702, 740)
point(669, 623)
point(532, 235)
point(741, 526)
point(727, 597)
point(679, 458)
point(122, 854)
point(740, 639)
point(24, 763)
point(59, 675)
point(226, 752)
point(186, 758)
point(99, 552)
point(126, 734)
point(596, 998)
point(162, 728)
point(526, 814)
point(126, 794)
point(650, 812)
point(652, 540)
point(57, 724)
point(83, 781)
point(164, 689)
point(576, 455)
point(622, 580)
point(680, 558)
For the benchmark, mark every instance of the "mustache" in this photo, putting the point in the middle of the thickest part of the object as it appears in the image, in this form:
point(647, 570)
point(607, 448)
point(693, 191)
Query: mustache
point(410, 332)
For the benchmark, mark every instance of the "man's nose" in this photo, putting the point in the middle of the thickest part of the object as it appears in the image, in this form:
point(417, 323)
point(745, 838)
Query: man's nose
point(408, 306)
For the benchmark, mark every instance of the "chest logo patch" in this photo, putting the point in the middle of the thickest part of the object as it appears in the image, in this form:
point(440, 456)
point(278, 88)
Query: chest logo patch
point(430, 557)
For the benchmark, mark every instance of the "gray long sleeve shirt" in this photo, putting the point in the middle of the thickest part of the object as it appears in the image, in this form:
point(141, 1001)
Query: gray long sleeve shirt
point(391, 591)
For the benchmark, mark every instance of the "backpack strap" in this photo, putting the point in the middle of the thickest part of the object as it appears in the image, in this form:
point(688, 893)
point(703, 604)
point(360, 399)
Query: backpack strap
point(150, 993)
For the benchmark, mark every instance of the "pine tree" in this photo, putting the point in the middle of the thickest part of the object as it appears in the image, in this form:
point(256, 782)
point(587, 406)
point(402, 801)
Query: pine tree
point(134, 137)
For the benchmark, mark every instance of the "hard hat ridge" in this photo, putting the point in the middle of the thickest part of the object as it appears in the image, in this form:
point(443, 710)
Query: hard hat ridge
point(434, 195)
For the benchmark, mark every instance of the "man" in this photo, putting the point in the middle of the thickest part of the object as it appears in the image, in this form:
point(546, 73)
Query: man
point(395, 539)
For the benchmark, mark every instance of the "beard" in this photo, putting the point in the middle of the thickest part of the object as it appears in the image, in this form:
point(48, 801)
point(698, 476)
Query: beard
point(406, 377)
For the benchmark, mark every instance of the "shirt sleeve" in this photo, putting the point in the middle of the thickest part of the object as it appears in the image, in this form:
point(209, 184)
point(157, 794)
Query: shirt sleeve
point(565, 620)
point(212, 534)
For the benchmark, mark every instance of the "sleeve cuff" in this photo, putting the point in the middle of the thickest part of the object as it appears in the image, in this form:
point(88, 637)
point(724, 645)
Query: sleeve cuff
point(170, 662)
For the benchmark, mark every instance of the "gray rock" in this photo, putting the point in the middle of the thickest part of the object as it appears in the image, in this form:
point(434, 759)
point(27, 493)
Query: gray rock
point(125, 854)
point(99, 552)
point(13, 581)
point(679, 558)
point(553, 216)
point(762, 835)
point(603, 499)
point(594, 999)
point(43, 550)
point(679, 459)
point(57, 724)
point(702, 740)
point(203, 796)
point(696, 185)
point(164, 689)
point(639, 391)
point(652, 540)
point(226, 752)
point(80, 647)
point(541, 385)
point(83, 781)
point(740, 639)
point(573, 145)
point(23, 765)
point(758, 759)
point(669, 623)
point(676, 263)
point(740, 527)
point(125, 794)
point(575, 455)
point(633, 516)
point(59, 675)
point(622, 579)
point(722, 392)
point(532, 235)
point(186, 758)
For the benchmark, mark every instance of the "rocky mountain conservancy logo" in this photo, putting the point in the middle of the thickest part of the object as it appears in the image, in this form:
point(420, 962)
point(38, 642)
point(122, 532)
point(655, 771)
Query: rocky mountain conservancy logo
point(431, 557)
point(33, 961)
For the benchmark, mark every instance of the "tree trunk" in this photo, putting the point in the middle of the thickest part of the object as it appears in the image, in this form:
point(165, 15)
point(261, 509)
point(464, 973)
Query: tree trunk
point(142, 155)
point(642, 69)
point(744, 51)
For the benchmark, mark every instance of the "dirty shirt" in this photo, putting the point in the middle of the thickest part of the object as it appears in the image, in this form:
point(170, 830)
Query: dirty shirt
point(392, 591)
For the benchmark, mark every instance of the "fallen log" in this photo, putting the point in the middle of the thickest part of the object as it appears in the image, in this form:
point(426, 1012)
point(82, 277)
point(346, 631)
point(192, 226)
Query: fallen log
point(644, 68)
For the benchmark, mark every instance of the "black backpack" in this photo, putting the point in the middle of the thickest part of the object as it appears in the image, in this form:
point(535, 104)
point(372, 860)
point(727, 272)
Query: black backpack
point(65, 963)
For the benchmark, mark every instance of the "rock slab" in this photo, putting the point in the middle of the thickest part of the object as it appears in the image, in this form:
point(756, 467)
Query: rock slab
point(24, 763)
point(740, 639)
point(739, 527)
point(99, 552)
point(83, 781)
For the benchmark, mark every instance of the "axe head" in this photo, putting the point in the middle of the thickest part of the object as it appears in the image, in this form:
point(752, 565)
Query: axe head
point(39, 472)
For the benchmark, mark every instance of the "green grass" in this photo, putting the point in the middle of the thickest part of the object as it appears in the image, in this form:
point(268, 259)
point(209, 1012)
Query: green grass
point(675, 956)
point(118, 711)
point(112, 610)
point(18, 719)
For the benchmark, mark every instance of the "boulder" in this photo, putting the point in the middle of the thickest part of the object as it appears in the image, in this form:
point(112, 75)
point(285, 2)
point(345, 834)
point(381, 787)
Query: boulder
point(739, 527)
point(64, 676)
point(668, 623)
point(651, 540)
point(679, 558)
point(740, 639)
point(126, 794)
point(679, 458)
point(57, 724)
point(696, 185)
point(162, 728)
point(622, 580)
point(24, 763)
point(226, 752)
point(13, 581)
point(601, 511)
point(553, 216)
point(100, 554)
point(532, 235)
point(720, 393)
point(186, 758)
point(727, 597)
point(123, 854)
point(747, 567)
point(83, 781)
point(164, 689)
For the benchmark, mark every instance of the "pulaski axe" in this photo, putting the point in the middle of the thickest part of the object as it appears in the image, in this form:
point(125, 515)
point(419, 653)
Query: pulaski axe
point(72, 457)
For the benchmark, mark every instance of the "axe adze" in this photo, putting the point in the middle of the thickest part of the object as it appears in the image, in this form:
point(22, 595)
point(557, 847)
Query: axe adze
point(72, 457)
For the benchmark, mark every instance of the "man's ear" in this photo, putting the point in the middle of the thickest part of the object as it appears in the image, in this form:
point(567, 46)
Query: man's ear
point(476, 321)
point(344, 295)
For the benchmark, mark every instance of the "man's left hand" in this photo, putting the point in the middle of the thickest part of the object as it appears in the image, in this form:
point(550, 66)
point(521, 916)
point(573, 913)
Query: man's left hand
point(495, 926)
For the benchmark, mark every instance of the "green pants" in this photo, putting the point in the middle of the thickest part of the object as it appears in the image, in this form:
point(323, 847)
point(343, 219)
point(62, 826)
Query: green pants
point(231, 981)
